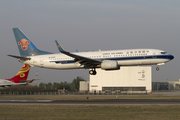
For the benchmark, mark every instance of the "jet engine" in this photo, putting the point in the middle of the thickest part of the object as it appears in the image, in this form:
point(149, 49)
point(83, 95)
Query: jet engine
point(110, 65)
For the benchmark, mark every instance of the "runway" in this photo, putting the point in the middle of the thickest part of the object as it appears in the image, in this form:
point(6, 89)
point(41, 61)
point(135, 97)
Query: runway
point(95, 102)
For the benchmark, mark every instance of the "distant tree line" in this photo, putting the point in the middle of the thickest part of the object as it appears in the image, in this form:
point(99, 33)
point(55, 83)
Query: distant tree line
point(72, 86)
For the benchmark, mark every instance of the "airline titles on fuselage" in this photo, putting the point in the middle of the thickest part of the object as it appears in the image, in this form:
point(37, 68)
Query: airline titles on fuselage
point(106, 55)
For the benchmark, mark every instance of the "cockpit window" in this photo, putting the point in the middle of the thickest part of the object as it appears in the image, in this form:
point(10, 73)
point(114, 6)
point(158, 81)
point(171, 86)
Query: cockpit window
point(163, 52)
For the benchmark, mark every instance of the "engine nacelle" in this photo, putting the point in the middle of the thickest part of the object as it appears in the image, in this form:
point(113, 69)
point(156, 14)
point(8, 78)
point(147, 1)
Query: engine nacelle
point(110, 65)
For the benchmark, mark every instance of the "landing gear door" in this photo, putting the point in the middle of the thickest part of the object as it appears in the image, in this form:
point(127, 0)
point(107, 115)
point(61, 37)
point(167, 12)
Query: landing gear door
point(41, 61)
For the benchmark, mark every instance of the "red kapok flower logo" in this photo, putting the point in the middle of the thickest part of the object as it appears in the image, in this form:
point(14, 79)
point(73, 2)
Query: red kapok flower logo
point(24, 44)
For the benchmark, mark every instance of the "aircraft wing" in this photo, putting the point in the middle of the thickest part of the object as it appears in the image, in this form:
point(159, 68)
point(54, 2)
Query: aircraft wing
point(81, 59)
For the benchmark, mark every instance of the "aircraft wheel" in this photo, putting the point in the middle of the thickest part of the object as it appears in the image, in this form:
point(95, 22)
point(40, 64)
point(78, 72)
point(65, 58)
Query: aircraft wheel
point(157, 68)
point(91, 72)
point(94, 72)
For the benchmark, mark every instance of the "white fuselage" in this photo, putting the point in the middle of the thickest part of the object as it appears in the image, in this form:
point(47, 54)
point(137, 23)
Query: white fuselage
point(129, 57)
point(4, 84)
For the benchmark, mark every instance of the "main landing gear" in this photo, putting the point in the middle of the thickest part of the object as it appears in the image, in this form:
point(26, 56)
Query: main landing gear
point(92, 72)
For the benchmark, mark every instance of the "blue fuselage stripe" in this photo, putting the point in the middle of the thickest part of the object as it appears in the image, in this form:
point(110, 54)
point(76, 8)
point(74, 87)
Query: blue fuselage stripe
point(122, 58)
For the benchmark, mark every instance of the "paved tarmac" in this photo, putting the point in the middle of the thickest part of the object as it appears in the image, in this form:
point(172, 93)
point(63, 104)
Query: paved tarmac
point(95, 102)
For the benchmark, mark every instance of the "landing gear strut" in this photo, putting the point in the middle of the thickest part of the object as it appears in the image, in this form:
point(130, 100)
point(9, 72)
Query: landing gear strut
point(92, 72)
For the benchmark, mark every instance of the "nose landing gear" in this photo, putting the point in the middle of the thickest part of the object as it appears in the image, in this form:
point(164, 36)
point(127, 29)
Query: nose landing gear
point(157, 68)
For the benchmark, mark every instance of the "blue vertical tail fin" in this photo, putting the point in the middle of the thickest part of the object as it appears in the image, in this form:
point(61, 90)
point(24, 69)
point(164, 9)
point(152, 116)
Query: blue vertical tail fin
point(25, 46)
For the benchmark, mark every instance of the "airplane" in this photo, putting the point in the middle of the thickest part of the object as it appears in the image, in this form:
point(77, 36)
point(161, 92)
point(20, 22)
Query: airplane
point(19, 79)
point(106, 60)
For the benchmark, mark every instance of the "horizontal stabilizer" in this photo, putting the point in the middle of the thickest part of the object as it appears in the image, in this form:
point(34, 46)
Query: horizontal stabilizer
point(30, 81)
point(19, 57)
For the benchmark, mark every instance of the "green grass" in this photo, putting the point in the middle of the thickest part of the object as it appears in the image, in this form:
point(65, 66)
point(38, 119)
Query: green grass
point(89, 112)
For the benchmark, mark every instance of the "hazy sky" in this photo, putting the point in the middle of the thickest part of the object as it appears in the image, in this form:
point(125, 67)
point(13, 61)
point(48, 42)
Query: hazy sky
point(89, 25)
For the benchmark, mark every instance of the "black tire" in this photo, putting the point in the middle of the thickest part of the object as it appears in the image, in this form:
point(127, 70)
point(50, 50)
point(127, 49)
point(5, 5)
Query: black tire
point(94, 72)
point(157, 68)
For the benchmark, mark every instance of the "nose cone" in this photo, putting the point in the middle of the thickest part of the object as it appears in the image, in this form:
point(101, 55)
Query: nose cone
point(171, 57)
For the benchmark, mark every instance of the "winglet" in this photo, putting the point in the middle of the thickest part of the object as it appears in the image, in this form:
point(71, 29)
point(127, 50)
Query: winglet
point(60, 47)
